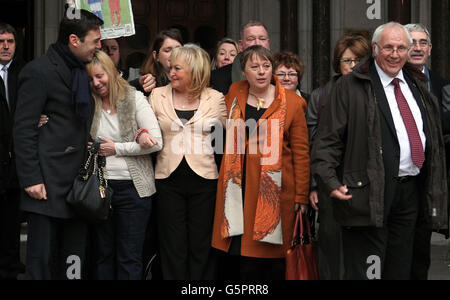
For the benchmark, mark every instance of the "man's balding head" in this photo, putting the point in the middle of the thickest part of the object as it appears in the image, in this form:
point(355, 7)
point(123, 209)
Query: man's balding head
point(254, 33)
point(391, 43)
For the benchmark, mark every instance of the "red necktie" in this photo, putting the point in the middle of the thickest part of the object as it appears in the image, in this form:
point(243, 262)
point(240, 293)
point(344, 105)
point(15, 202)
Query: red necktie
point(415, 143)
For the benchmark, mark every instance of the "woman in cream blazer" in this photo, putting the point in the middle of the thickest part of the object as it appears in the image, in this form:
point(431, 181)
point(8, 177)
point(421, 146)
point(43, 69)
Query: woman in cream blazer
point(186, 173)
point(192, 140)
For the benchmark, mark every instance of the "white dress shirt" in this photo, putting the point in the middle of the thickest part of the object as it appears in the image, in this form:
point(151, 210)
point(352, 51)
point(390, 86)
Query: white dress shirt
point(4, 75)
point(407, 167)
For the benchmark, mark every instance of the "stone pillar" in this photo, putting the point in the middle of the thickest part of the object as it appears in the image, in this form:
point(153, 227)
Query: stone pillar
point(321, 42)
point(421, 12)
point(305, 37)
point(289, 25)
point(400, 11)
point(47, 15)
point(440, 38)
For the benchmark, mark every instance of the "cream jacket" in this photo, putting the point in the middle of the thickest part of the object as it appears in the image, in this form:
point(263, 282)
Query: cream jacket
point(192, 140)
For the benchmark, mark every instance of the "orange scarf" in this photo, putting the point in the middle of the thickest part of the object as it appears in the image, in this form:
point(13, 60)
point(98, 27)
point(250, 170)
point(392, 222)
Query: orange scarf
point(267, 227)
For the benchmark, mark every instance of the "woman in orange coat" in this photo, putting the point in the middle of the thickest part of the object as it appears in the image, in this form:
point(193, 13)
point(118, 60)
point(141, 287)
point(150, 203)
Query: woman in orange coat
point(264, 177)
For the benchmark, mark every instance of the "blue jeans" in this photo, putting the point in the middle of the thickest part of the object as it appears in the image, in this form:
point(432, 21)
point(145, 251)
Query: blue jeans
point(120, 239)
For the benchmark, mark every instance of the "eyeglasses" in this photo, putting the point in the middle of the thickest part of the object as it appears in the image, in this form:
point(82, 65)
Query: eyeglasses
point(421, 43)
point(389, 49)
point(290, 74)
point(349, 61)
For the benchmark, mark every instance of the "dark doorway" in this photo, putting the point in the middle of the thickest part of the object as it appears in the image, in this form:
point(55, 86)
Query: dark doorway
point(204, 20)
point(200, 21)
point(20, 14)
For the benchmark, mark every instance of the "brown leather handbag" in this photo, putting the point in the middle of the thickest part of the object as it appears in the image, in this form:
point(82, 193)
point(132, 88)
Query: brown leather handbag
point(301, 257)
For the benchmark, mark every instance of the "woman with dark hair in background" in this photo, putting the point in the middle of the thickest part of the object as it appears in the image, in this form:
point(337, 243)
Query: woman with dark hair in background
point(155, 70)
point(349, 51)
point(112, 48)
point(289, 69)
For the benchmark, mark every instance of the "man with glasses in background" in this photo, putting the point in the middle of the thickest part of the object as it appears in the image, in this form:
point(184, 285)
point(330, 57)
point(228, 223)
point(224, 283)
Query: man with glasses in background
point(378, 155)
point(419, 54)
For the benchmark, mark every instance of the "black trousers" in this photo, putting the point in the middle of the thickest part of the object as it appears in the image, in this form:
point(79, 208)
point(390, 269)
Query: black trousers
point(185, 215)
point(10, 265)
point(120, 239)
point(56, 248)
point(236, 268)
point(422, 245)
point(385, 253)
point(329, 250)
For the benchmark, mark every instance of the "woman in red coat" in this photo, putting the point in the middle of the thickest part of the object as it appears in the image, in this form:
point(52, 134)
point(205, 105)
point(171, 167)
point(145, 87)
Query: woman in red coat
point(264, 177)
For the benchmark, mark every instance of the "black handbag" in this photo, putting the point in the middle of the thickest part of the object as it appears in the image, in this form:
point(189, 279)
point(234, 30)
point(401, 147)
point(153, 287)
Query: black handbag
point(90, 196)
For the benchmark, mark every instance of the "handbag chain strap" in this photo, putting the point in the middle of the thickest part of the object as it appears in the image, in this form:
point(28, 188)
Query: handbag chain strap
point(99, 171)
point(86, 166)
point(96, 170)
point(101, 176)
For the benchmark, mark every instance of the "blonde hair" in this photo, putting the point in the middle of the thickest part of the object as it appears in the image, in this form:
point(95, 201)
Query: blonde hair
point(117, 85)
point(199, 65)
point(219, 44)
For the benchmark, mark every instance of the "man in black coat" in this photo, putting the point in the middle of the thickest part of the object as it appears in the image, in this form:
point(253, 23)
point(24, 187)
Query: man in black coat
point(420, 52)
point(10, 67)
point(49, 157)
point(378, 154)
point(252, 33)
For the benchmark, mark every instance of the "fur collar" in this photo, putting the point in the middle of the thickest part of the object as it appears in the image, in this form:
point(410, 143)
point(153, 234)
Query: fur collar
point(126, 112)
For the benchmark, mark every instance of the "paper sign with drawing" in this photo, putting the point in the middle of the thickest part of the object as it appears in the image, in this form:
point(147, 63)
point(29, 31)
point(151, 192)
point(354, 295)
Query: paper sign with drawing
point(117, 15)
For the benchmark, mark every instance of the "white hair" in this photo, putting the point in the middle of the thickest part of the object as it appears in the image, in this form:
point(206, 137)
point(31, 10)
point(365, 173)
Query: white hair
point(420, 28)
point(379, 31)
